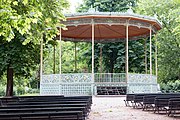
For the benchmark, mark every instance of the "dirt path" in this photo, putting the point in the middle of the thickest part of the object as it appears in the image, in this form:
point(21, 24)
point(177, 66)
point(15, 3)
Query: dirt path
point(113, 108)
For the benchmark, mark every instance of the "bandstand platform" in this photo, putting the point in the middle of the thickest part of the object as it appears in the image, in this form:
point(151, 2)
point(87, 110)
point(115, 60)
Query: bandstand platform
point(107, 84)
point(103, 27)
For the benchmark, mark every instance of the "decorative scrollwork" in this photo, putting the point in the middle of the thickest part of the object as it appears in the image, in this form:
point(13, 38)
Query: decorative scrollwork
point(82, 83)
point(142, 78)
point(76, 78)
point(53, 78)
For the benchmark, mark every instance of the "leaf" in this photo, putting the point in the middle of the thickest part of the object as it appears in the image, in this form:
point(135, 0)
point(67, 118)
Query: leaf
point(15, 3)
point(25, 2)
point(34, 20)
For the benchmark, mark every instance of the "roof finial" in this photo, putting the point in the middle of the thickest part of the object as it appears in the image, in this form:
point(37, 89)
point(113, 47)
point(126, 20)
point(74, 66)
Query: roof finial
point(91, 6)
point(155, 16)
point(130, 8)
point(130, 11)
point(91, 10)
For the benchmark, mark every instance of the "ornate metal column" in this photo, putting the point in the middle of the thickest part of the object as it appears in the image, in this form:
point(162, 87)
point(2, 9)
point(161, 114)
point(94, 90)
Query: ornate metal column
point(41, 61)
point(92, 22)
point(127, 38)
point(156, 65)
point(150, 55)
point(150, 50)
point(60, 59)
point(60, 50)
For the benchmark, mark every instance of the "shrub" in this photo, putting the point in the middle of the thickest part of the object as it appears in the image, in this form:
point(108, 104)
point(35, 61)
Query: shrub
point(171, 86)
point(2, 91)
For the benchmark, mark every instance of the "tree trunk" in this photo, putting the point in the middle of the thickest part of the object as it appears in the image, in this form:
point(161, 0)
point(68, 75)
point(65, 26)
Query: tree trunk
point(101, 59)
point(111, 67)
point(111, 64)
point(75, 55)
point(9, 87)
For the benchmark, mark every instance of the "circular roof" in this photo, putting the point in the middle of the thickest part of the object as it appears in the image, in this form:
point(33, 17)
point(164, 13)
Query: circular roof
point(108, 26)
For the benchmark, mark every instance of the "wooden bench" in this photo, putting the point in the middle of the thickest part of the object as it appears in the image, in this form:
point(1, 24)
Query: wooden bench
point(168, 102)
point(52, 109)
point(173, 107)
point(70, 115)
point(138, 101)
point(63, 103)
point(46, 107)
point(161, 102)
point(148, 101)
point(129, 98)
point(13, 99)
point(135, 99)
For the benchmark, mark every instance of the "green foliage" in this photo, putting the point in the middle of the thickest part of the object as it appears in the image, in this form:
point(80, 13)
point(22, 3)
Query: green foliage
point(68, 58)
point(171, 86)
point(113, 56)
point(22, 85)
point(30, 18)
point(22, 58)
point(24, 23)
point(2, 90)
point(168, 38)
point(106, 5)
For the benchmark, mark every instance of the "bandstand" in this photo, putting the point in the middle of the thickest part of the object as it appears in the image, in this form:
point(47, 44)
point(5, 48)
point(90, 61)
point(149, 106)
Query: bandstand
point(103, 27)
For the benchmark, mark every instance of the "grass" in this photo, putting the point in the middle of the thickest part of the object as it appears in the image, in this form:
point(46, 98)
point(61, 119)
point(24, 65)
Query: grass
point(30, 94)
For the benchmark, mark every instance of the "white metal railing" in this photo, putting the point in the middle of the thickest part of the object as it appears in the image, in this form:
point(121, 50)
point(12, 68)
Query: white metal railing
point(142, 83)
point(67, 84)
point(141, 78)
point(67, 78)
point(83, 83)
point(109, 77)
point(98, 77)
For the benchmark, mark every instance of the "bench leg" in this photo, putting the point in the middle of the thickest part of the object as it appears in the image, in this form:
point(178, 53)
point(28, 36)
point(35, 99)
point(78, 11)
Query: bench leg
point(155, 109)
point(144, 107)
point(20, 117)
point(169, 113)
point(126, 103)
point(49, 117)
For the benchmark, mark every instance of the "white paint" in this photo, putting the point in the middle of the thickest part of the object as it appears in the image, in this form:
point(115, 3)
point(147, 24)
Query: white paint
point(41, 61)
point(92, 54)
point(127, 52)
point(60, 51)
point(150, 50)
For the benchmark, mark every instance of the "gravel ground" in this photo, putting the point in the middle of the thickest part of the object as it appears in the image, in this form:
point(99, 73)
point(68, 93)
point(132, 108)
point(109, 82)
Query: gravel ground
point(113, 108)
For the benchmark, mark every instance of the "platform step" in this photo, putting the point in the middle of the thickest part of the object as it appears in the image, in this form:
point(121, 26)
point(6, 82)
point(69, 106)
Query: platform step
point(102, 90)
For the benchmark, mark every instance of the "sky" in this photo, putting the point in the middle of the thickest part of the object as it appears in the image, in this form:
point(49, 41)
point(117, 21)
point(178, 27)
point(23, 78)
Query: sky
point(74, 4)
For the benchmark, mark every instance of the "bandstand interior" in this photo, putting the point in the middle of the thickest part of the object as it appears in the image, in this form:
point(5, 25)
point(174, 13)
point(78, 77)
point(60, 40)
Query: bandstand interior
point(103, 27)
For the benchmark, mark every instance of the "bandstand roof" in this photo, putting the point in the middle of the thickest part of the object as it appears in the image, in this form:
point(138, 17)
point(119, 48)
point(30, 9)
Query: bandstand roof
point(109, 26)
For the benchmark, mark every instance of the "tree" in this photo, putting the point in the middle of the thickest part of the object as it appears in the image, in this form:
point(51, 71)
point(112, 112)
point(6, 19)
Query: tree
point(23, 25)
point(22, 59)
point(107, 5)
point(168, 38)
